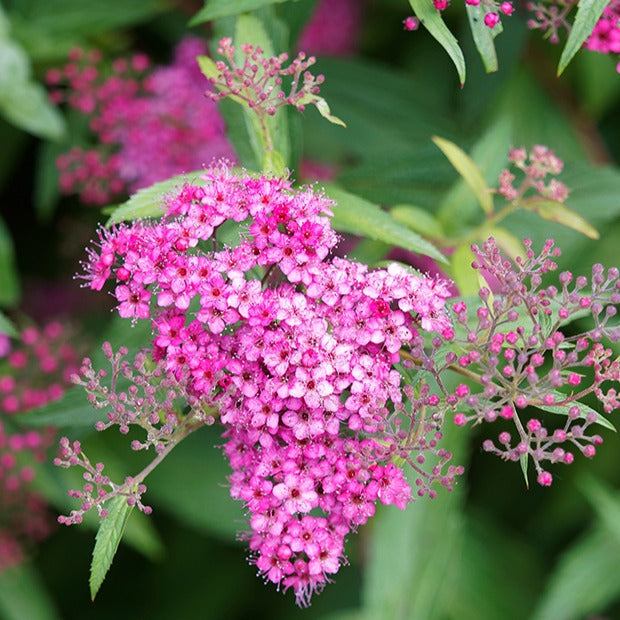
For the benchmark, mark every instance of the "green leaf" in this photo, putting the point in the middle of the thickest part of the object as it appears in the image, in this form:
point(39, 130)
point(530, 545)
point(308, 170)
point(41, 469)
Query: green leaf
point(46, 187)
point(9, 283)
point(463, 274)
point(483, 36)
point(584, 410)
point(223, 8)
point(203, 500)
point(322, 107)
point(357, 216)
point(24, 102)
point(588, 13)
point(7, 326)
point(23, 595)
point(431, 18)
point(26, 105)
point(250, 30)
point(523, 461)
point(558, 212)
point(150, 201)
point(412, 555)
point(605, 502)
point(417, 219)
point(585, 580)
point(107, 540)
point(470, 172)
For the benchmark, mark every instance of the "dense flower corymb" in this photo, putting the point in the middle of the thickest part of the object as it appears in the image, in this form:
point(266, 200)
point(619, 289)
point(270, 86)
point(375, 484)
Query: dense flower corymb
point(293, 349)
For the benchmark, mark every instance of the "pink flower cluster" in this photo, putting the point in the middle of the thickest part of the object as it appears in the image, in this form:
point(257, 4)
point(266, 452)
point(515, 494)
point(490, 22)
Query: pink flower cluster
point(149, 125)
point(517, 348)
point(536, 165)
point(293, 350)
point(33, 374)
point(333, 29)
point(605, 37)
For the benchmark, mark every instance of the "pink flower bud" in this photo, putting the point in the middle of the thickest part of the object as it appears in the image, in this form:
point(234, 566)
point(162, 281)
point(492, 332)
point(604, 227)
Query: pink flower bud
point(491, 20)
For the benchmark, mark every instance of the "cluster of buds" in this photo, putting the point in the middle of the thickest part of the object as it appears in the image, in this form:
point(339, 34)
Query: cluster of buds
point(149, 124)
point(516, 349)
point(258, 81)
point(536, 166)
point(492, 10)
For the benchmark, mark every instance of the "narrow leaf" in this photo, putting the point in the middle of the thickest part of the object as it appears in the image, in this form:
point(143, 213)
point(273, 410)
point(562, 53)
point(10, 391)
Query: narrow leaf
point(357, 216)
point(464, 275)
point(106, 543)
point(523, 460)
point(325, 112)
point(584, 410)
point(468, 169)
point(588, 13)
point(223, 8)
point(584, 581)
point(9, 283)
point(418, 219)
point(483, 36)
point(150, 201)
point(431, 18)
point(554, 211)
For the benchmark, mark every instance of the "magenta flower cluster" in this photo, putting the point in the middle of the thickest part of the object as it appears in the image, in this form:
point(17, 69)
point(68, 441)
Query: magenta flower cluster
point(36, 371)
point(333, 29)
point(518, 348)
point(292, 349)
point(149, 125)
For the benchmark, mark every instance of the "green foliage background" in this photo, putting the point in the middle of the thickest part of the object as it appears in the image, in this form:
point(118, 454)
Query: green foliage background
point(492, 548)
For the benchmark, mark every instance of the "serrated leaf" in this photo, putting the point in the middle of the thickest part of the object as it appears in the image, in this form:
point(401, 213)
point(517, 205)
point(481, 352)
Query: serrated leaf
point(7, 326)
point(149, 201)
point(357, 216)
point(557, 212)
point(483, 36)
point(584, 410)
point(588, 13)
point(107, 540)
point(431, 19)
point(468, 169)
point(417, 219)
point(214, 9)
